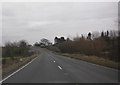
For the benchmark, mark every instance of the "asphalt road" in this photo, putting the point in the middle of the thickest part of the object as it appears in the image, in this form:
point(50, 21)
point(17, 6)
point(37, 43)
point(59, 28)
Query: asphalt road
point(51, 68)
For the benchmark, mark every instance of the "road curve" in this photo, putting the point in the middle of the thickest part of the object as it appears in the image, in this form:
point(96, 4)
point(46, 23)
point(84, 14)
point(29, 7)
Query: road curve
point(52, 68)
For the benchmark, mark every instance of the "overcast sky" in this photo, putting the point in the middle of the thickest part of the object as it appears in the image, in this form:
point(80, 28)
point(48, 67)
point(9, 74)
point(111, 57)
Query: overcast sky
point(34, 21)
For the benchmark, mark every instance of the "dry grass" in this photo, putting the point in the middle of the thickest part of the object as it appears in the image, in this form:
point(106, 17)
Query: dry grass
point(12, 65)
point(93, 59)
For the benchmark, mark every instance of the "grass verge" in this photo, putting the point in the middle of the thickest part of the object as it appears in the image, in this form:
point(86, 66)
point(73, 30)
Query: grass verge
point(93, 59)
point(12, 65)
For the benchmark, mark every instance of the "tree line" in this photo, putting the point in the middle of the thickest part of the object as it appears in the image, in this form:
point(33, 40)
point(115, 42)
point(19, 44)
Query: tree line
point(43, 43)
point(15, 49)
point(104, 44)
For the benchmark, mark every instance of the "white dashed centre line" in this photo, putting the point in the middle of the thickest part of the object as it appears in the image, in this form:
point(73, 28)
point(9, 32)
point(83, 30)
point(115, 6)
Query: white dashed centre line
point(60, 67)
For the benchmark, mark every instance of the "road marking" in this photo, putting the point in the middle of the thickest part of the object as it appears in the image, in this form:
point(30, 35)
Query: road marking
point(18, 70)
point(60, 67)
point(54, 61)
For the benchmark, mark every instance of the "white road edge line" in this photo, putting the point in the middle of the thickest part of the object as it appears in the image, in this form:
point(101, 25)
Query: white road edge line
point(60, 67)
point(18, 70)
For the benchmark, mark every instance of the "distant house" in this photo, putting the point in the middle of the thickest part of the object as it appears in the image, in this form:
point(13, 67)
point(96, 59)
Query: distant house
point(59, 40)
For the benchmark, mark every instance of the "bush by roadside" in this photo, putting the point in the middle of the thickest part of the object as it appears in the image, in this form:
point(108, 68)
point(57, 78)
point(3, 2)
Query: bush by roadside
point(53, 48)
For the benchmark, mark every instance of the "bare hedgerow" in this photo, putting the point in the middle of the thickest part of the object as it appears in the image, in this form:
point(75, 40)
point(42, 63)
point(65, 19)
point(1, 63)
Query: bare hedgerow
point(80, 45)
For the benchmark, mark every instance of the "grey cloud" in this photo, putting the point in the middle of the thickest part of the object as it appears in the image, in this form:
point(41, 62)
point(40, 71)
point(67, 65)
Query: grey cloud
point(33, 21)
point(14, 38)
point(7, 12)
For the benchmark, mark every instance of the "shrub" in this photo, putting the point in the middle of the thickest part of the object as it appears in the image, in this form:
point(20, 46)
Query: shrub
point(54, 48)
